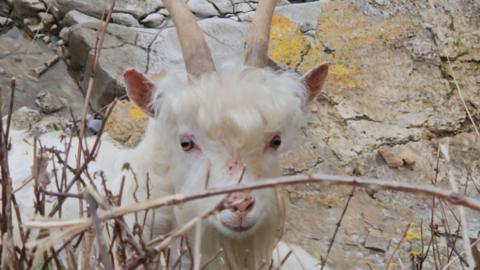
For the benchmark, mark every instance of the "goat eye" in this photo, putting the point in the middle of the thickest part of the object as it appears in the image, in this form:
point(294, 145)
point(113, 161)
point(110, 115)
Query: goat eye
point(276, 142)
point(186, 142)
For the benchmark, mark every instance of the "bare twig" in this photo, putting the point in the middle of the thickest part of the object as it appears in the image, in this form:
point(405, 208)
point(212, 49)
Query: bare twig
point(339, 223)
point(97, 228)
point(420, 190)
point(461, 210)
point(8, 256)
point(387, 265)
point(446, 266)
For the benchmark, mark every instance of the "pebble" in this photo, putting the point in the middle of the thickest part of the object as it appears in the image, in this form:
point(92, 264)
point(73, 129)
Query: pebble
point(46, 18)
point(390, 158)
point(153, 20)
point(48, 103)
point(5, 21)
point(408, 156)
point(25, 118)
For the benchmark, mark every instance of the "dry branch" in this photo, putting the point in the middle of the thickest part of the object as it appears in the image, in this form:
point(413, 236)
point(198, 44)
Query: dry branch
point(337, 226)
point(80, 225)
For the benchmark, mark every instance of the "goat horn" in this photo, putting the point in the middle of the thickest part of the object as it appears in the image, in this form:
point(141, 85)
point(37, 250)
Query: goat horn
point(196, 54)
point(256, 44)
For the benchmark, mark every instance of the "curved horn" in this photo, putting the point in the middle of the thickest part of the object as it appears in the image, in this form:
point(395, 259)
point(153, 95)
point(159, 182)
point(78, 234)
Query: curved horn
point(196, 54)
point(256, 44)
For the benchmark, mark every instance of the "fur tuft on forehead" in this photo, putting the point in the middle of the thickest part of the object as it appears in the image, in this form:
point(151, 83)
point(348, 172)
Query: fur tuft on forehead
point(236, 103)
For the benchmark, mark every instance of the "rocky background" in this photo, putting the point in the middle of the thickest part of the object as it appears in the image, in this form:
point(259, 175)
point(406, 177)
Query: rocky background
point(404, 80)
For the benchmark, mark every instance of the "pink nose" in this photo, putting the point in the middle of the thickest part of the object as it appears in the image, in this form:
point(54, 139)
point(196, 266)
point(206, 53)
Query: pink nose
point(240, 203)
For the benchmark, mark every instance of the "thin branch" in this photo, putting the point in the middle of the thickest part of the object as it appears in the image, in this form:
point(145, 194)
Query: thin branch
point(417, 189)
point(339, 223)
point(387, 265)
point(97, 228)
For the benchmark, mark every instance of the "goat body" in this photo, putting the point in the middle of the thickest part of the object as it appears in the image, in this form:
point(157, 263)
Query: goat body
point(219, 127)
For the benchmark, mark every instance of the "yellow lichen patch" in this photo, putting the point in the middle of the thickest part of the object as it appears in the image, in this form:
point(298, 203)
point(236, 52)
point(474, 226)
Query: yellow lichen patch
point(415, 255)
point(352, 42)
point(136, 113)
point(340, 70)
point(287, 44)
point(127, 123)
point(413, 233)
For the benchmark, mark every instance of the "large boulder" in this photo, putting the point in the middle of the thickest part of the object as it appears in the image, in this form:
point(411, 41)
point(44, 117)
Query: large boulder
point(96, 8)
point(147, 50)
point(37, 68)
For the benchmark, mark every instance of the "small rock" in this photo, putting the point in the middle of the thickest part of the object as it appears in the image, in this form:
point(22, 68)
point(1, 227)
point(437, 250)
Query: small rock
point(46, 18)
point(46, 39)
point(153, 20)
point(76, 17)
point(24, 118)
point(27, 8)
point(54, 27)
point(48, 103)
point(49, 124)
point(408, 157)
point(390, 158)
point(5, 21)
point(376, 241)
point(127, 123)
point(36, 28)
point(203, 8)
point(125, 19)
point(30, 21)
point(94, 124)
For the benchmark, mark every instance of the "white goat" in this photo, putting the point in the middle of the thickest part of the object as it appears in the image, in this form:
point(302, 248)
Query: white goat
point(214, 128)
point(217, 127)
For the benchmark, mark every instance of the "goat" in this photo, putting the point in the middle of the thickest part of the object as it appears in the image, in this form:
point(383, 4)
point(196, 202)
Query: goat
point(216, 127)
point(210, 129)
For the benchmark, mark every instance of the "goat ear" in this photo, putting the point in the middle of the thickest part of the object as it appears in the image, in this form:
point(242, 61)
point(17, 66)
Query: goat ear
point(314, 80)
point(139, 90)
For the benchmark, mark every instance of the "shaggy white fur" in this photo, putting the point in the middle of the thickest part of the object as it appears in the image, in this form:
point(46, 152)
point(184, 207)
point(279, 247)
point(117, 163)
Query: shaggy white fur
point(231, 113)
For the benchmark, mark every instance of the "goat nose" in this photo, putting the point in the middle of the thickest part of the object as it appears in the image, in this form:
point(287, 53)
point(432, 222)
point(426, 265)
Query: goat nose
point(234, 165)
point(241, 203)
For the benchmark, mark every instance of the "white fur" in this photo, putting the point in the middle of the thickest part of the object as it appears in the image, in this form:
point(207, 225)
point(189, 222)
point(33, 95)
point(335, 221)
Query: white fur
point(231, 113)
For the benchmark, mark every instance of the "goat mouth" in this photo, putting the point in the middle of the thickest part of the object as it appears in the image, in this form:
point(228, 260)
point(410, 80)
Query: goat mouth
point(240, 228)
